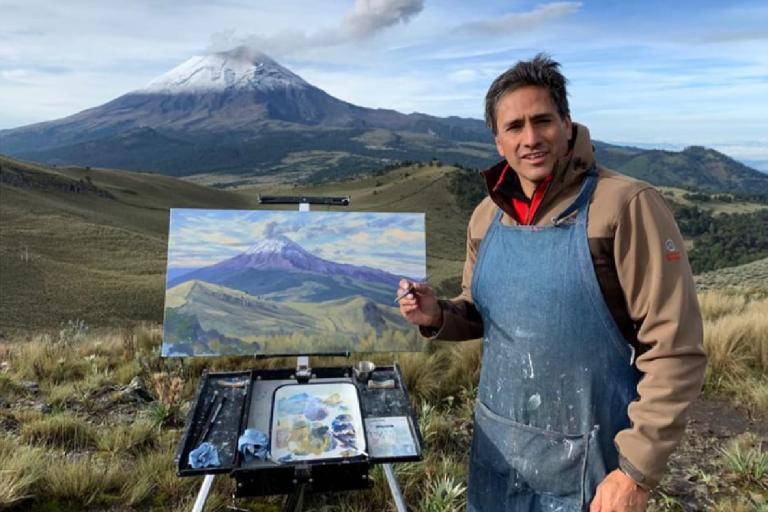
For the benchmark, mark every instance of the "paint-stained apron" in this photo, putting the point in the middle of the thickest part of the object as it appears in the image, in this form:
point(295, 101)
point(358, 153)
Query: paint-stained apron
point(557, 375)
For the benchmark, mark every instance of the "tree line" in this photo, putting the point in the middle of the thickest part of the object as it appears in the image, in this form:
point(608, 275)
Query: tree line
point(719, 241)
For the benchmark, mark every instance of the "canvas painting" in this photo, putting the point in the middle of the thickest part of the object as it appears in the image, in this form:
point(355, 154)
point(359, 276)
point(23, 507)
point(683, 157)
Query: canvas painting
point(245, 282)
point(316, 422)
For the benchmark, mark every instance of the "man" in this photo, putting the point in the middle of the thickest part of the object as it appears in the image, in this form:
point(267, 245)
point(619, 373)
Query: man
point(576, 278)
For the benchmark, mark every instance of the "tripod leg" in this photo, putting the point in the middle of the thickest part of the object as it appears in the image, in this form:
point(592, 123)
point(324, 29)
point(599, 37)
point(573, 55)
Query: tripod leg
point(202, 495)
point(394, 488)
point(295, 501)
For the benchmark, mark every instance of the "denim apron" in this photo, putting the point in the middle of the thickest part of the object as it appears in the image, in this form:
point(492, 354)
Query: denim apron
point(557, 375)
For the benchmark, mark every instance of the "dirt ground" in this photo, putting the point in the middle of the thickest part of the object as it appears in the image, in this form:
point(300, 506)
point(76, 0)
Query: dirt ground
point(696, 479)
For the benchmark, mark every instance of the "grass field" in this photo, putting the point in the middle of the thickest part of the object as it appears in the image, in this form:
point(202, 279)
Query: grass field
point(73, 427)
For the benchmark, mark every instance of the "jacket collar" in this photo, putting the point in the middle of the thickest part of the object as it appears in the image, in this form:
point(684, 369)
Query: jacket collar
point(568, 172)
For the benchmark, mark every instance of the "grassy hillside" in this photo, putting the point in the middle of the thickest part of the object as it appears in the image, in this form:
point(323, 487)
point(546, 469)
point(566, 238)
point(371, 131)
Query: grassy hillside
point(87, 244)
point(751, 278)
point(79, 243)
point(695, 167)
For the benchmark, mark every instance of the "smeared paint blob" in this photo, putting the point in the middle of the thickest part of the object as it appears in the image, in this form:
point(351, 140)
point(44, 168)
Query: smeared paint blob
point(281, 437)
point(533, 402)
point(333, 399)
point(294, 404)
point(315, 412)
point(319, 440)
point(342, 422)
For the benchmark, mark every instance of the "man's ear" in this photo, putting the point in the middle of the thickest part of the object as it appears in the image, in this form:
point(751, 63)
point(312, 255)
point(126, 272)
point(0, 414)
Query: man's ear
point(499, 147)
point(569, 128)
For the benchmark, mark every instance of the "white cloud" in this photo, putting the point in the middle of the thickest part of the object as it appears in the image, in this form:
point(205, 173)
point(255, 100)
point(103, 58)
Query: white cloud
point(519, 21)
point(366, 19)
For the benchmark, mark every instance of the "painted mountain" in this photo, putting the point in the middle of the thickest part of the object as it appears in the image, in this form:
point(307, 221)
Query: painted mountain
point(241, 113)
point(275, 296)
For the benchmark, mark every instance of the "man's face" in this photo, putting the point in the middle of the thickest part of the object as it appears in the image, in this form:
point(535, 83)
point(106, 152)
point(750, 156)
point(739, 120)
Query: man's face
point(531, 134)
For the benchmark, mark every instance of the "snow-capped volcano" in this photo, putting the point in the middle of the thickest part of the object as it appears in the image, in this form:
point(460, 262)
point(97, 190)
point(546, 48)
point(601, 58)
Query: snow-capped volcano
point(241, 68)
point(279, 253)
point(233, 112)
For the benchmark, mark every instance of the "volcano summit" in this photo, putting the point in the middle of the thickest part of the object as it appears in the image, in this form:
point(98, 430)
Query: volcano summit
point(241, 112)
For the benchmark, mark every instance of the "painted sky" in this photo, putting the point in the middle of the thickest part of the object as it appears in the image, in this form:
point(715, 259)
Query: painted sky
point(653, 73)
point(394, 242)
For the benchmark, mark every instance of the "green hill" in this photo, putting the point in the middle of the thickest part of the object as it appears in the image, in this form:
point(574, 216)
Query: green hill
point(77, 243)
point(694, 168)
point(90, 244)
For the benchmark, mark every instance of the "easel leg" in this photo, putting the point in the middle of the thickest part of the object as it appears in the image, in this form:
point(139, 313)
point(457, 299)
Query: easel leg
point(394, 488)
point(202, 495)
point(295, 502)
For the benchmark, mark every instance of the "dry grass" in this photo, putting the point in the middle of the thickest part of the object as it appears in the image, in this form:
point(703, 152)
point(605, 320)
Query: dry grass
point(85, 480)
point(736, 342)
point(156, 481)
point(135, 438)
point(21, 470)
point(60, 431)
point(715, 304)
point(441, 381)
point(44, 359)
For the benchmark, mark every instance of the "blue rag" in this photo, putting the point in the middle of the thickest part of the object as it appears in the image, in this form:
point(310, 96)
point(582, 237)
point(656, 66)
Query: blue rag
point(253, 443)
point(204, 456)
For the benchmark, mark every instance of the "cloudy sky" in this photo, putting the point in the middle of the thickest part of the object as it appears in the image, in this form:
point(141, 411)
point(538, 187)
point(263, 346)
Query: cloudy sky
point(653, 73)
point(394, 242)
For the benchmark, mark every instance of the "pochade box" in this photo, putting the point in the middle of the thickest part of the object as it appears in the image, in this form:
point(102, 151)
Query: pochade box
point(279, 283)
point(324, 433)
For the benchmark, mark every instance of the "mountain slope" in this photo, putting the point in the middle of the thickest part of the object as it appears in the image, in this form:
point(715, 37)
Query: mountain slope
point(88, 244)
point(695, 168)
point(237, 110)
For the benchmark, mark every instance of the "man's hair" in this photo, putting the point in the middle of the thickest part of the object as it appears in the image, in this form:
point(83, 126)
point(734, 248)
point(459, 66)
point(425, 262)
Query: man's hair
point(541, 71)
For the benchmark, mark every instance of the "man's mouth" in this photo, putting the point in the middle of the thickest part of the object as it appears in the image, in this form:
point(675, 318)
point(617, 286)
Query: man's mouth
point(535, 156)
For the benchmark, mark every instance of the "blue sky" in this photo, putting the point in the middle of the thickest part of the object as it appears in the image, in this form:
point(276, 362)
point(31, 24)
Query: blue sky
point(394, 242)
point(657, 74)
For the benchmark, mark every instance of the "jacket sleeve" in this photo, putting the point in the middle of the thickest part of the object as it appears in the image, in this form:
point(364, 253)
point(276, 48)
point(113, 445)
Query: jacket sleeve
point(461, 320)
point(661, 298)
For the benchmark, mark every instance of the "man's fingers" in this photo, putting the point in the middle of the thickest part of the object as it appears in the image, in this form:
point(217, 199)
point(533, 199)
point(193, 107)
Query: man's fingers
point(596, 502)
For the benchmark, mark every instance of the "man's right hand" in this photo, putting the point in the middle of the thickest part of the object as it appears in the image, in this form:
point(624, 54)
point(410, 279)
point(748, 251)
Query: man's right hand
point(420, 306)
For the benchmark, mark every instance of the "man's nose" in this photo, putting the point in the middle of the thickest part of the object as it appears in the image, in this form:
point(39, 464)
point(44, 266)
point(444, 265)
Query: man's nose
point(530, 135)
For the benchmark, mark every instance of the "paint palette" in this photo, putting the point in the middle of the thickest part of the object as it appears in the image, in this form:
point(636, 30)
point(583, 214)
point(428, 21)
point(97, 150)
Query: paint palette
point(316, 422)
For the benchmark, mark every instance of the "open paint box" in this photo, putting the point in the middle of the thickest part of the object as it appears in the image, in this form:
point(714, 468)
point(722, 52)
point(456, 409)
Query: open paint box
point(324, 434)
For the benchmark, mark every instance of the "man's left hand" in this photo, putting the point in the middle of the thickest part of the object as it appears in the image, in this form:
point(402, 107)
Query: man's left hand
point(619, 493)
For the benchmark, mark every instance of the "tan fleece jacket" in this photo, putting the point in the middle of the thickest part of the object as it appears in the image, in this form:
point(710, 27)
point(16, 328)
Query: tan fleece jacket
point(645, 277)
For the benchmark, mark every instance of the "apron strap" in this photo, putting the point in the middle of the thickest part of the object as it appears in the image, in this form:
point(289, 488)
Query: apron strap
point(582, 200)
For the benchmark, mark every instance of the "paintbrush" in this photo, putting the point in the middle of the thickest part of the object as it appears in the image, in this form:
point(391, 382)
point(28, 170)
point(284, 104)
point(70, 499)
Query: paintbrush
point(213, 419)
point(409, 290)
